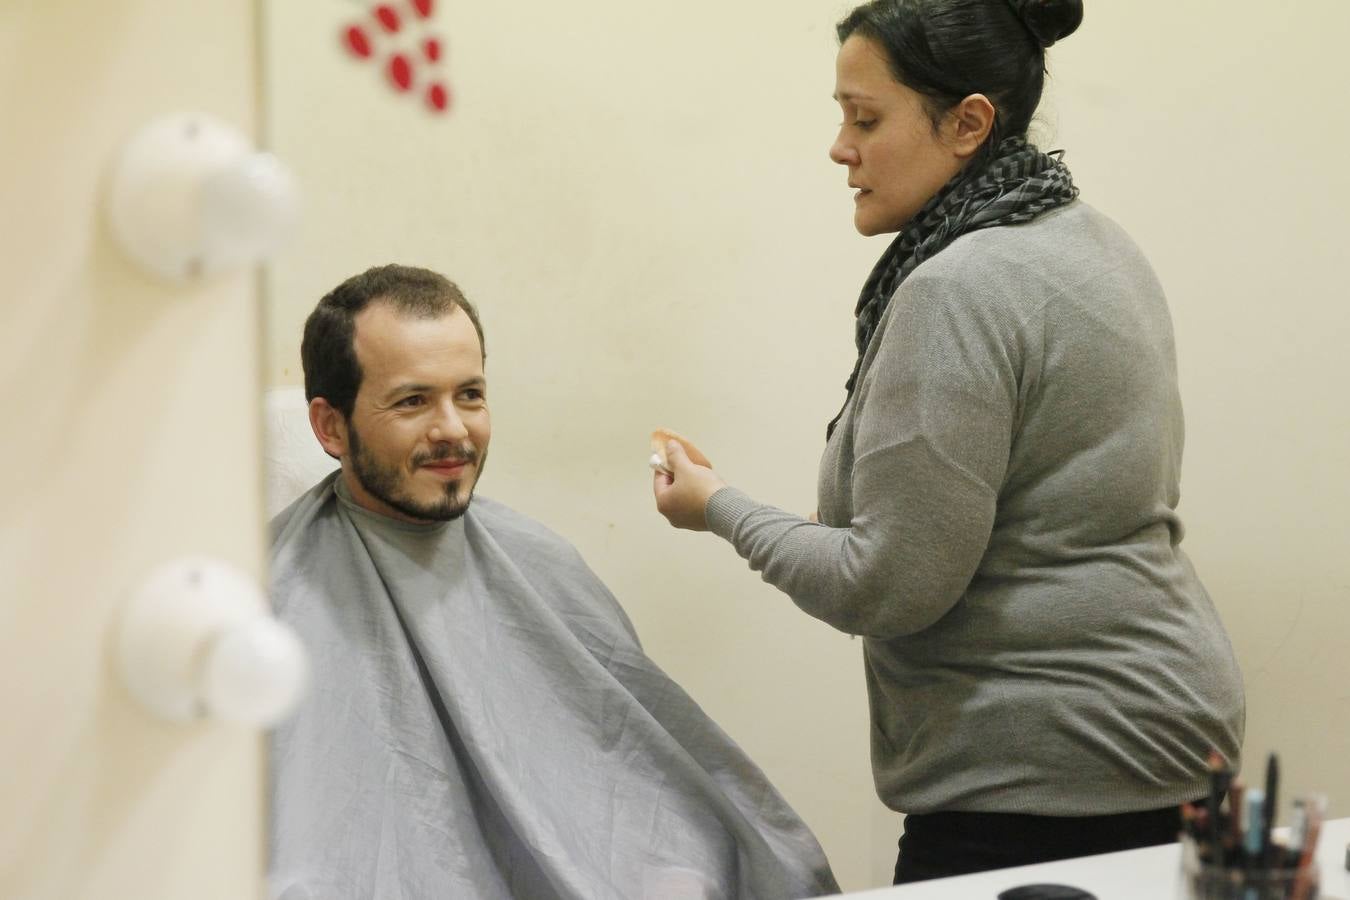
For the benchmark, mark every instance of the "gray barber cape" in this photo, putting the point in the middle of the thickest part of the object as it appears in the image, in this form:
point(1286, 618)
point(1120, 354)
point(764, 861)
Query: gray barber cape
point(482, 722)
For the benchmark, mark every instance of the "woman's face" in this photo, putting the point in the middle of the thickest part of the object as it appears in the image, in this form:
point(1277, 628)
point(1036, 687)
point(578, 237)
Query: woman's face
point(896, 159)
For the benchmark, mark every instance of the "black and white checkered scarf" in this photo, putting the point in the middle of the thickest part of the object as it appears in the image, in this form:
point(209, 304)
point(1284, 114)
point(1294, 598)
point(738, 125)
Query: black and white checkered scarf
point(1018, 185)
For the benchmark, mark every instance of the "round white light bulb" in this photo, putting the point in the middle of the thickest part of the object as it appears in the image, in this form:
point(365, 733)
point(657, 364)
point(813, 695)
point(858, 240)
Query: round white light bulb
point(255, 673)
point(188, 198)
point(249, 208)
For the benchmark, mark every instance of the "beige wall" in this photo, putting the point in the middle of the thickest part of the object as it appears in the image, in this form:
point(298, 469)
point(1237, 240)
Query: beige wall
point(130, 438)
point(639, 199)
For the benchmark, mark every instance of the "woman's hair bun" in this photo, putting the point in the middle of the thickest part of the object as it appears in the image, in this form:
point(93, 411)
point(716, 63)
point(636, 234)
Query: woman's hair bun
point(1049, 20)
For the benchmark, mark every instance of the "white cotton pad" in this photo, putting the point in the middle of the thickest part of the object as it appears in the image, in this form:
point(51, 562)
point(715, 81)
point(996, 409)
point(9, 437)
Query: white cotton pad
point(656, 464)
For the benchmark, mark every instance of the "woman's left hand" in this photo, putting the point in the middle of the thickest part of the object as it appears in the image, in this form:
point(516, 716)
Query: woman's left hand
point(683, 495)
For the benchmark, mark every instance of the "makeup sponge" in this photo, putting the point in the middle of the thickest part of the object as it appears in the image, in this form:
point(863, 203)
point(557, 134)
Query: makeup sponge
point(659, 462)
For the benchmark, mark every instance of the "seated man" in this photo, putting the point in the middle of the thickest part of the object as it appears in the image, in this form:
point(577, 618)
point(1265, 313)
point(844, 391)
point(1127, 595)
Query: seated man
point(482, 722)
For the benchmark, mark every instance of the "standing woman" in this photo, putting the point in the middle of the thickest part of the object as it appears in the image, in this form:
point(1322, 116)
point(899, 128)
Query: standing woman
point(997, 497)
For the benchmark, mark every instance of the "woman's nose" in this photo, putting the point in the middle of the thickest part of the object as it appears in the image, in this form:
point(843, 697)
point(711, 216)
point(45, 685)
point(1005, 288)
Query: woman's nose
point(842, 153)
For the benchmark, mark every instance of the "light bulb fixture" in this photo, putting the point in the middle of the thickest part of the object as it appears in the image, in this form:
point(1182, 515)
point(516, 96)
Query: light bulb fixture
point(189, 198)
point(197, 641)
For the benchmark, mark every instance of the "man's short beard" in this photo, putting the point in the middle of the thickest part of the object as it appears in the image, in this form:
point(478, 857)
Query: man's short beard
point(382, 482)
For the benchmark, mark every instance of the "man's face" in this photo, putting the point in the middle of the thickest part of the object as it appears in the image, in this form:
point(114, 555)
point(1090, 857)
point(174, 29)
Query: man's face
point(418, 434)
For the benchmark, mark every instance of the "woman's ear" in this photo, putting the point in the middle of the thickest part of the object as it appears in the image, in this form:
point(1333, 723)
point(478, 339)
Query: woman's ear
point(330, 427)
point(970, 121)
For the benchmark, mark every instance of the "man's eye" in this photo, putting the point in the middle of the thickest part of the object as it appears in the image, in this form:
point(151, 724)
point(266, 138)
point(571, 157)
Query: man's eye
point(410, 402)
point(473, 395)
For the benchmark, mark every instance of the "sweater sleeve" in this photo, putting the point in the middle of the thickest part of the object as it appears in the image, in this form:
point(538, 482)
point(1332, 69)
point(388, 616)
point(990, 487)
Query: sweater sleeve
point(932, 433)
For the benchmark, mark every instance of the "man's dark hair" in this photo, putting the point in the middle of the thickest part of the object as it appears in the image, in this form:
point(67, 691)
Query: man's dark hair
point(328, 352)
point(947, 50)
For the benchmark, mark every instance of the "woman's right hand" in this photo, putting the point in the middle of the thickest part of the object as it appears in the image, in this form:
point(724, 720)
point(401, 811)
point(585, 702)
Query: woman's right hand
point(682, 494)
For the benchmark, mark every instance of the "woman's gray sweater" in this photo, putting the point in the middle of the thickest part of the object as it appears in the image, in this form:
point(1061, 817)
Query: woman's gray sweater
point(998, 520)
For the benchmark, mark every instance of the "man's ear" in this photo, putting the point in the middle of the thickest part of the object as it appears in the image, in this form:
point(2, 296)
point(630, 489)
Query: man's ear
point(970, 122)
point(330, 427)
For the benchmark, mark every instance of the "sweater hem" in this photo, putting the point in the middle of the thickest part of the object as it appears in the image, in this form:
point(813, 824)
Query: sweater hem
point(1062, 802)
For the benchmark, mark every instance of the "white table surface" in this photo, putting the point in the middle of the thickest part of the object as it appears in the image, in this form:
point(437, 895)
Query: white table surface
point(1149, 874)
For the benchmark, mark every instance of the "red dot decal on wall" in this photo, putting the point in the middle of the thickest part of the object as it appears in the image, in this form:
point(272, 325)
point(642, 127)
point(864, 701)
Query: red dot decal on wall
point(388, 18)
point(400, 71)
point(357, 42)
point(402, 38)
point(439, 97)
